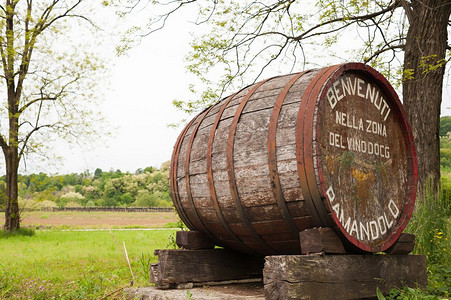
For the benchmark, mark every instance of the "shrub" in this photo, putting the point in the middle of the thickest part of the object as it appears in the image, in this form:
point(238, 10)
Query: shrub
point(90, 203)
point(429, 223)
point(61, 202)
point(111, 201)
point(146, 200)
point(47, 204)
point(72, 196)
point(445, 158)
point(73, 204)
point(126, 199)
point(24, 231)
point(27, 204)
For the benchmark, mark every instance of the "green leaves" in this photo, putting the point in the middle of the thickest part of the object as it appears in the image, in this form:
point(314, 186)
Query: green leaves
point(430, 63)
point(379, 294)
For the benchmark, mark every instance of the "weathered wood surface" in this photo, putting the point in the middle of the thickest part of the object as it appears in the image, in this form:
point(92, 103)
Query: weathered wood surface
point(193, 240)
point(320, 240)
point(198, 267)
point(404, 245)
point(232, 291)
point(251, 172)
point(340, 276)
point(323, 148)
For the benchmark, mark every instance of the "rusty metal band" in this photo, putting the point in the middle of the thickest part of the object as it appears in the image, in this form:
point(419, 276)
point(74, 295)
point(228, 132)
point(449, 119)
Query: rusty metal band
point(312, 104)
point(173, 177)
point(305, 150)
point(211, 184)
point(272, 156)
point(231, 170)
point(187, 176)
point(300, 157)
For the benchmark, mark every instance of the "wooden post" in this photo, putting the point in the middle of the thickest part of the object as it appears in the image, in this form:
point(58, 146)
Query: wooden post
point(193, 240)
point(404, 245)
point(320, 240)
point(178, 267)
point(340, 276)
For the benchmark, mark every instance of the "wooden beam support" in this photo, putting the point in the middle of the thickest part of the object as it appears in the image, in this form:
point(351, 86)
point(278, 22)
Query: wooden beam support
point(193, 240)
point(340, 276)
point(179, 268)
point(320, 240)
point(403, 246)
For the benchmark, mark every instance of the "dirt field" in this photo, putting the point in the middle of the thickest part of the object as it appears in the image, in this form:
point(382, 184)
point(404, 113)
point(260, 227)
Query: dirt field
point(96, 219)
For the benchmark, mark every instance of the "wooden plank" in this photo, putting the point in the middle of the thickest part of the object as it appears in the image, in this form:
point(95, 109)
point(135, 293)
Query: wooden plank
point(252, 170)
point(340, 276)
point(200, 266)
point(265, 101)
point(253, 184)
point(262, 228)
point(320, 240)
point(293, 194)
point(193, 240)
point(198, 167)
point(248, 289)
point(285, 157)
point(207, 214)
point(264, 196)
point(304, 222)
point(263, 213)
point(404, 245)
point(298, 209)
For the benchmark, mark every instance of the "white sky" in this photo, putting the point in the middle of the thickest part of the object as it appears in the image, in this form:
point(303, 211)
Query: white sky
point(138, 105)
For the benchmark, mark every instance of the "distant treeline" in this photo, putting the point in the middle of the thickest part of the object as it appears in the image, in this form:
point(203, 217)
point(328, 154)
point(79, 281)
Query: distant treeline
point(147, 187)
point(110, 209)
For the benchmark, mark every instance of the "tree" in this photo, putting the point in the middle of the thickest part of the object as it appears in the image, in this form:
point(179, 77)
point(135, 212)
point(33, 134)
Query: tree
point(98, 173)
point(47, 83)
point(406, 40)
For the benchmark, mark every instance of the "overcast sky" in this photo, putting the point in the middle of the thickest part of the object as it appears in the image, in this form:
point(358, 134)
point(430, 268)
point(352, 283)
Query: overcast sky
point(138, 106)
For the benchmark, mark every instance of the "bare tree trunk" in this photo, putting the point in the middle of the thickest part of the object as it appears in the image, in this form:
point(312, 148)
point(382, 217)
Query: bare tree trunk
point(12, 213)
point(424, 67)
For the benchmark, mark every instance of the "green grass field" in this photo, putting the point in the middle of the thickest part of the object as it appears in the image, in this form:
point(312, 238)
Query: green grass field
point(76, 264)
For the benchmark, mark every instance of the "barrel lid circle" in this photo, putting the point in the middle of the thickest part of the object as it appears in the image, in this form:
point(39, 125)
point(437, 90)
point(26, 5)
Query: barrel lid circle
point(365, 157)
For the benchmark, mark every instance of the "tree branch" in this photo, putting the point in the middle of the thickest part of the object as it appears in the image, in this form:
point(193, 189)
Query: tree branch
point(3, 143)
point(408, 9)
point(31, 102)
point(355, 19)
point(377, 53)
point(165, 16)
point(28, 136)
point(32, 34)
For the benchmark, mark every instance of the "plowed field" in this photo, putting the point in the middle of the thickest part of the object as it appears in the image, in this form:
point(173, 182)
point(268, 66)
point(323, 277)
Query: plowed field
point(96, 219)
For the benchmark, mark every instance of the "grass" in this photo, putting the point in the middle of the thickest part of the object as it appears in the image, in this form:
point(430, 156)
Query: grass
point(75, 264)
point(431, 224)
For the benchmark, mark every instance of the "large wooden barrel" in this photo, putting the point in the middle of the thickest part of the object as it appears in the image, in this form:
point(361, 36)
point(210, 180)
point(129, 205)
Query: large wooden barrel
point(328, 147)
